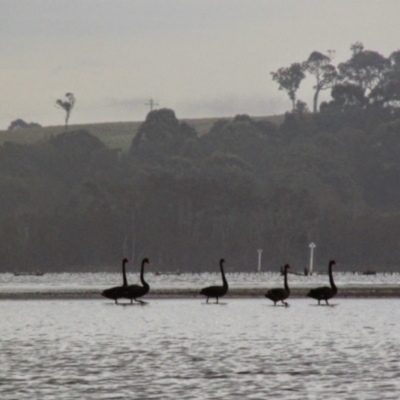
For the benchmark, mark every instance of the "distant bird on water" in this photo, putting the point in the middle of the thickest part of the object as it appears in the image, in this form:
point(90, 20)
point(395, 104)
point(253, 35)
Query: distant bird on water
point(280, 294)
point(117, 292)
point(132, 292)
point(217, 291)
point(325, 292)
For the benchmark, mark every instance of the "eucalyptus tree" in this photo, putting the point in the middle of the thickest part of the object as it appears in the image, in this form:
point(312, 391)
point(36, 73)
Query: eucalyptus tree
point(67, 106)
point(387, 92)
point(289, 80)
point(366, 69)
point(319, 65)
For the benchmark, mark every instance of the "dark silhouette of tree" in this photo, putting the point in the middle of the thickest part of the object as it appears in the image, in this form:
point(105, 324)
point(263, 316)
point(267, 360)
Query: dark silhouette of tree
point(160, 136)
point(394, 73)
point(365, 68)
point(301, 108)
point(67, 106)
point(387, 92)
point(365, 89)
point(79, 143)
point(70, 203)
point(21, 124)
point(348, 95)
point(324, 72)
point(289, 80)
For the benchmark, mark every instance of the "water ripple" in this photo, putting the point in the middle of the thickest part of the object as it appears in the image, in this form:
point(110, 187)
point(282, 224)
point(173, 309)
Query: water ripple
point(180, 349)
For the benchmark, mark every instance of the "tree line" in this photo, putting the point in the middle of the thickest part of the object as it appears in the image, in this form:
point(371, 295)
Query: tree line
point(70, 203)
point(367, 80)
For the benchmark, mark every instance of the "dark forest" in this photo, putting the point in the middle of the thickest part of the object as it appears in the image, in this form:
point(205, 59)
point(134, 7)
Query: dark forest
point(70, 203)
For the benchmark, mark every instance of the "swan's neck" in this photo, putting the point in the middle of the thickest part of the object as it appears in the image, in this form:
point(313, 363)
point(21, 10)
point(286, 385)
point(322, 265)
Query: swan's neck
point(286, 284)
point(333, 286)
point(224, 281)
point(144, 283)
point(125, 282)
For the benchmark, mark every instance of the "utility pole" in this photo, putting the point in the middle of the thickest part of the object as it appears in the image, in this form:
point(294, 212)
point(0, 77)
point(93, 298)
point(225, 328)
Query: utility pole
point(151, 104)
point(133, 238)
point(259, 260)
point(312, 246)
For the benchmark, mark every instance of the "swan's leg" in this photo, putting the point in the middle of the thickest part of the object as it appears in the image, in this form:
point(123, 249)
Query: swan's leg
point(217, 300)
point(327, 302)
point(116, 301)
point(207, 300)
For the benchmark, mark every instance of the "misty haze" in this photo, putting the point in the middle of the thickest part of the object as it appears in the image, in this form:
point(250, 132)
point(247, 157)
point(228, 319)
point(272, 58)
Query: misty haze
point(199, 199)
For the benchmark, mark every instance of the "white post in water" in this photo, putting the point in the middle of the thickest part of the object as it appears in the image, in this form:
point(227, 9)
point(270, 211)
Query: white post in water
point(312, 246)
point(259, 260)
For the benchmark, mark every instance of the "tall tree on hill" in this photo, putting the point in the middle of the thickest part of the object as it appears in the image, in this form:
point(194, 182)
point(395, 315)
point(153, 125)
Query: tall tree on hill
point(387, 93)
point(67, 105)
point(319, 65)
point(289, 80)
point(365, 68)
point(160, 137)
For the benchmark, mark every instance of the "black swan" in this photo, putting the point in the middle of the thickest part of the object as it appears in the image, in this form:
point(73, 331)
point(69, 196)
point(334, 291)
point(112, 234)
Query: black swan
point(133, 291)
point(280, 294)
point(217, 291)
point(117, 292)
point(325, 292)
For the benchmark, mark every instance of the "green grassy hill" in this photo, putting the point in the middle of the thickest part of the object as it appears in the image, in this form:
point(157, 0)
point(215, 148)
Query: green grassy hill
point(117, 135)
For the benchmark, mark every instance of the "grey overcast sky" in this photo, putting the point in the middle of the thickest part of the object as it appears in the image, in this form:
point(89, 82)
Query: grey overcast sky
point(202, 58)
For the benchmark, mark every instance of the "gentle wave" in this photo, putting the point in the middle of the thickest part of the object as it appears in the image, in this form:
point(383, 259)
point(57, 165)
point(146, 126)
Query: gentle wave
point(185, 349)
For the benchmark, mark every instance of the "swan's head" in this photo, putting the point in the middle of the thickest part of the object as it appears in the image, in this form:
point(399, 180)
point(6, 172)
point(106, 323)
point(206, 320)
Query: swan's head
point(146, 261)
point(287, 266)
point(332, 262)
point(125, 260)
point(222, 260)
point(107, 293)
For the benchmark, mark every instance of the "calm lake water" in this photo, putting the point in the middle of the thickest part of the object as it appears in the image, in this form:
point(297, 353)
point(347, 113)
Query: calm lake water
point(185, 349)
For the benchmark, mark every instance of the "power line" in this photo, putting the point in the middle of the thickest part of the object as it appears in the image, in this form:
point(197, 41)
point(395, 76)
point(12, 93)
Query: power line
point(151, 104)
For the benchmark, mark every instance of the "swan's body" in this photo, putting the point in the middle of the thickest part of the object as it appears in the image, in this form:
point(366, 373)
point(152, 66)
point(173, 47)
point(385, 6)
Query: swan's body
point(217, 291)
point(117, 292)
point(325, 292)
point(280, 294)
point(132, 292)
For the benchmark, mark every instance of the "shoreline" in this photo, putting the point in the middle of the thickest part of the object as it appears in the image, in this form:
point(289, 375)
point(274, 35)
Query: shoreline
point(347, 292)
